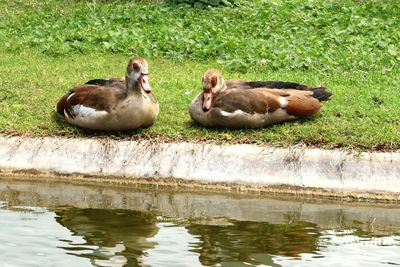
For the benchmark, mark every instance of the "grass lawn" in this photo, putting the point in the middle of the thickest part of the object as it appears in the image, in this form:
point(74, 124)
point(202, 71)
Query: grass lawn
point(350, 47)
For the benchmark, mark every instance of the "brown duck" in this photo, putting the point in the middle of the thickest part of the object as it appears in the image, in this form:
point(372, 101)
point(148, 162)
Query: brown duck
point(114, 104)
point(234, 106)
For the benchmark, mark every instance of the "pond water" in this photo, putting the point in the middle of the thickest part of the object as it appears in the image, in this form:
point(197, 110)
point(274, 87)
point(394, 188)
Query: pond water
point(61, 224)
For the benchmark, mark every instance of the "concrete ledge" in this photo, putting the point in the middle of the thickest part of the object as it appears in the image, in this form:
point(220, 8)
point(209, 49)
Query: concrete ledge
point(332, 170)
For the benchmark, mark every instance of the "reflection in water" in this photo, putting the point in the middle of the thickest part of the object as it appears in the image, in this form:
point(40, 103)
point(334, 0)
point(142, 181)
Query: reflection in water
point(29, 236)
point(240, 241)
point(345, 249)
point(123, 236)
point(57, 235)
point(120, 235)
point(172, 240)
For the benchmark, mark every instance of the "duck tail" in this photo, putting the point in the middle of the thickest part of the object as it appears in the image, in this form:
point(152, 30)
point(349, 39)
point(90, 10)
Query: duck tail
point(62, 104)
point(321, 94)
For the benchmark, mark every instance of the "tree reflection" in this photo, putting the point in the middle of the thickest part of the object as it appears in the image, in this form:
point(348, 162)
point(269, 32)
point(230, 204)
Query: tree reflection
point(120, 235)
point(246, 241)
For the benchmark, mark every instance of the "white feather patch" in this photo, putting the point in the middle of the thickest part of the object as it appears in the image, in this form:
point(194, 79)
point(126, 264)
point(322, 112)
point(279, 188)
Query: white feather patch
point(82, 111)
point(283, 102)
point(230, 114)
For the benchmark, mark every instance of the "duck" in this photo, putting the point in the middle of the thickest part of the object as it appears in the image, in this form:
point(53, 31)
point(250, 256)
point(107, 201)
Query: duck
point(114, 104)
point(252, 107)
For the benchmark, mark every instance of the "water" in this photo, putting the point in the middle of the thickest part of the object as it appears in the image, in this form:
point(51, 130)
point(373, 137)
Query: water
point(58, 224)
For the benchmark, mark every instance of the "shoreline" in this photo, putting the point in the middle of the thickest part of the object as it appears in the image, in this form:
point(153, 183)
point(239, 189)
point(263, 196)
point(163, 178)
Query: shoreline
point(367, 176)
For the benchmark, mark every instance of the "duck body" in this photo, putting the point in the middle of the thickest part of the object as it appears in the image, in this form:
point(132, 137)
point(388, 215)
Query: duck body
point(112, 106)
point(222, 106)
point(108, 108)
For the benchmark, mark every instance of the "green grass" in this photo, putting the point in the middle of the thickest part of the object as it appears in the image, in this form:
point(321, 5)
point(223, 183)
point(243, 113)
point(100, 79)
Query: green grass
point(351, 47)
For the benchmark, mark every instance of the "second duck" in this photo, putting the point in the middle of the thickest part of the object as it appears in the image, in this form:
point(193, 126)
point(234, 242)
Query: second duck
point(220, 106)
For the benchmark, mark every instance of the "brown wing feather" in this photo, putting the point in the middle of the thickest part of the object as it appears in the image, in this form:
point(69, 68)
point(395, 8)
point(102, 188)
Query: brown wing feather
point(90, 96)
point(302, 103)
point(254, 101)
point(93, 96)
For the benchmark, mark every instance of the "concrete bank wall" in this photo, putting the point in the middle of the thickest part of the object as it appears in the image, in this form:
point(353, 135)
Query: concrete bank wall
point(339, 171)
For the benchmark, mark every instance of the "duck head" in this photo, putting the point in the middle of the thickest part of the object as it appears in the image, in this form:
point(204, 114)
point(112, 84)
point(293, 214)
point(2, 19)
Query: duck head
point(213, 83)
point(137, 75)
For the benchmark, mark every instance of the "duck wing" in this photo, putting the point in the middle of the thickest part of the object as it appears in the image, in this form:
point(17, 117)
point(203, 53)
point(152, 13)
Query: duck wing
point(88, 100)
point(296, 102)
point(263, 101)
point(248, 101)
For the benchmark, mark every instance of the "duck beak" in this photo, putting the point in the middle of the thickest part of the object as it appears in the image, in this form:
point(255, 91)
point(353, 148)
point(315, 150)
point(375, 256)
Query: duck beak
point(207, 101)
point(144, 82)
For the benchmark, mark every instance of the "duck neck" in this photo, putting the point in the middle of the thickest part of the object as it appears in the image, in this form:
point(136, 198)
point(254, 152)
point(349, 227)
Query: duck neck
point(131, 85)
point(223, 85)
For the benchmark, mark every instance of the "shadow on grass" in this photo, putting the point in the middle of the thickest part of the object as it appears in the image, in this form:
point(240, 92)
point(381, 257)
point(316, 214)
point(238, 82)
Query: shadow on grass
point(195, 125)
point(194, 132)
point(276, 133)
point(81, 132)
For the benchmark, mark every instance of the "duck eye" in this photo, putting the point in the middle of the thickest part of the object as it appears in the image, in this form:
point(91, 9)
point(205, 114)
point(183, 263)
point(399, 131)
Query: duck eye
point(213, 81)
point(135, 67)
